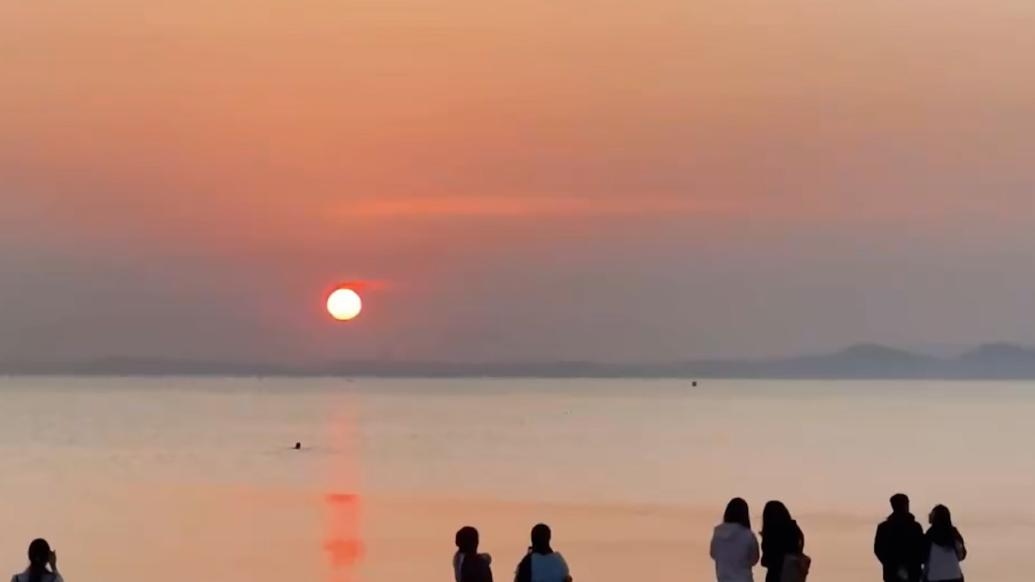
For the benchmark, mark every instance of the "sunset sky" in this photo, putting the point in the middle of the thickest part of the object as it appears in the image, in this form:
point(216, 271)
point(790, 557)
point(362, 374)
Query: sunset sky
point(530, 179)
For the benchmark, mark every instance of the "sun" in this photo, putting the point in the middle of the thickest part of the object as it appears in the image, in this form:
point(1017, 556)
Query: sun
point(344, 304)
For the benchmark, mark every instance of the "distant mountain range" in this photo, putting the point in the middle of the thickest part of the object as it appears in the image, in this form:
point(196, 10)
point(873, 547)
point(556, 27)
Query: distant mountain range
point(863, 361)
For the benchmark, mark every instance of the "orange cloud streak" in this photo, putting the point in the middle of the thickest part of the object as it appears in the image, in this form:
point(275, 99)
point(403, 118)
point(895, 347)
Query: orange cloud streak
point(524, 206)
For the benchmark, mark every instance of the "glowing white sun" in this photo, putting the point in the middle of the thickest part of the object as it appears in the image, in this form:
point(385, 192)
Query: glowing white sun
point(344, 304)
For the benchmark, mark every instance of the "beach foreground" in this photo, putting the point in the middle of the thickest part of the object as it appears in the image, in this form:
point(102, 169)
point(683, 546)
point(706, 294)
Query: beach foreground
point(175, 478)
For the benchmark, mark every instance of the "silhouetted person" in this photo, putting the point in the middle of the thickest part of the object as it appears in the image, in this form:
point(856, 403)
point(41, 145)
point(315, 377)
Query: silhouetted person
point(40, 556)
point(734, 546)
point(542, 564)
point(781, 537)
point(468, 564)
point(899, 543)
point(945, 548)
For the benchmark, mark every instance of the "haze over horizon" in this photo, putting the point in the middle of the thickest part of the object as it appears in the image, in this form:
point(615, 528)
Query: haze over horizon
point(516, 180)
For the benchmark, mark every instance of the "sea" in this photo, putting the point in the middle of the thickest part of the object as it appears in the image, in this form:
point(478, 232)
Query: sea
point(173, 478)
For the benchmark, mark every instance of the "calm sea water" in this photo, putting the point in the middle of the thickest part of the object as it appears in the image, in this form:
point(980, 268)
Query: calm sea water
point(174, 478)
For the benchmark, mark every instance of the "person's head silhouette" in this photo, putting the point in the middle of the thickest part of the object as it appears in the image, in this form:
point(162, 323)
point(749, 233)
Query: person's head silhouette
point(467, 540)
point(941, 517)
point(40, 555)
point(775, 515)
point(737, 512)
point(900, 503)
point(541, 535)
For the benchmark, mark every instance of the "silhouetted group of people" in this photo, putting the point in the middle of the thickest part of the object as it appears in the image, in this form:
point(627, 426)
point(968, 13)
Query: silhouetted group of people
point(540, 564)
point(905, 551)
point(42, 564)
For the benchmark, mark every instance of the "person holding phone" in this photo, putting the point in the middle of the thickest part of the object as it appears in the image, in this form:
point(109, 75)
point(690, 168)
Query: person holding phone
point(42, 564)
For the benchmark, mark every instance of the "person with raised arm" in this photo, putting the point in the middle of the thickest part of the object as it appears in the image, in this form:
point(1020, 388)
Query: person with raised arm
point(42, 564)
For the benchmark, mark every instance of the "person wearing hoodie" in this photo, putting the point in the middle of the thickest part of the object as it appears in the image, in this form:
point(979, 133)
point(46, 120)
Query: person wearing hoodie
point(781, 537)
point(541, 563)
point(899, 543)
point(468, 564)
point(734, 546)
point(945, 548)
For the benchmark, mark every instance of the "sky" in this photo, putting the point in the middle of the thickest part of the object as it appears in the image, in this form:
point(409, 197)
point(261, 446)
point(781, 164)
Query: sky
point(514, 180)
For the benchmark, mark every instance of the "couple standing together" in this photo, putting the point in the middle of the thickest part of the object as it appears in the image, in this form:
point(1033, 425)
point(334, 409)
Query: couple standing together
point(905, 552)
point(735, 548)
point(909, 555)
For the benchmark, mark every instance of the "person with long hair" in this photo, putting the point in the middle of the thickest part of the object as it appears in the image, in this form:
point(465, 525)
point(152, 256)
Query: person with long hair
point(945, 548)
point(42, 564)
point(734, 546)
point(468, 564)
point(781, 537)
point(541, 563)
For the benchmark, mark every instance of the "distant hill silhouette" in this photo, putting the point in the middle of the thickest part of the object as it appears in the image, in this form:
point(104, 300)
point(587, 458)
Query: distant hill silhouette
point(997, 360)
point(858, 361)
point(861, 361)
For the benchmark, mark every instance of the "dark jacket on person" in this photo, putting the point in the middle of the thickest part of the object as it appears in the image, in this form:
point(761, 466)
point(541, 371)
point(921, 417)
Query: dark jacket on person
point(475, 569)
point(777, 543)
point(900, 546)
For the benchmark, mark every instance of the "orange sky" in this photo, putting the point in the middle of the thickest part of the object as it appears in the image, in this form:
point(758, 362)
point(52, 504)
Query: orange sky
point(282, 145)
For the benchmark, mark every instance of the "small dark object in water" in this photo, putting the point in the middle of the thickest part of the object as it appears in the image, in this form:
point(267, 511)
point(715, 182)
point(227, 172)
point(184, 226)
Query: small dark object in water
point(298, 446)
